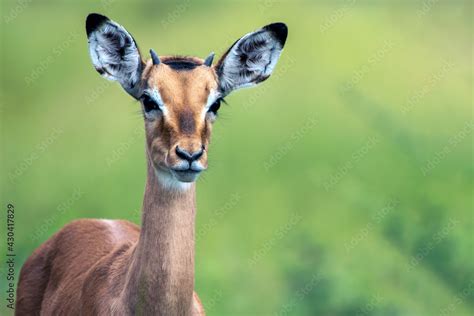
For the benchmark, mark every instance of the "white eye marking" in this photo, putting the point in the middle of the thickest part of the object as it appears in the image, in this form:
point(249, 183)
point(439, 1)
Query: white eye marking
point(211, 98)
point(155, 95)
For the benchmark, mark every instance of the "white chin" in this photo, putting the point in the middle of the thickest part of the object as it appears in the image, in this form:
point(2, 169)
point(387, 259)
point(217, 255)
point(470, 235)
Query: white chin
point(186, 177)
point(169, 180)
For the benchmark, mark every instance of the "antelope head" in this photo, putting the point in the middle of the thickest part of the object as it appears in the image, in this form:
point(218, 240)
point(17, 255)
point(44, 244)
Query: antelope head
point(180, 96)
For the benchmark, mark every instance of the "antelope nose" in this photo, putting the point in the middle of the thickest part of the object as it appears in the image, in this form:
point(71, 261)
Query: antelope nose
point(183, 154)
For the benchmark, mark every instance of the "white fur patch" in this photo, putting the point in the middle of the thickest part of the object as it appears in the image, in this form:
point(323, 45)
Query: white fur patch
point(168, 181)
point(115, 231)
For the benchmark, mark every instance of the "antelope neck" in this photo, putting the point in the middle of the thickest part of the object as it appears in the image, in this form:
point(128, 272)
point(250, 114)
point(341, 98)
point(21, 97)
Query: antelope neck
point(160, 279)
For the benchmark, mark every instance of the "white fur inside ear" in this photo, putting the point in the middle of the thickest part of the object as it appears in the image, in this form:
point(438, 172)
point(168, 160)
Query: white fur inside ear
point(250, 61)
point(115, 54)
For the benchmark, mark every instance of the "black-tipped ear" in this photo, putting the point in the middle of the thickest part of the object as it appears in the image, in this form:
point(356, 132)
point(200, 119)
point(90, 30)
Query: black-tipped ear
point(279, 31)
point(94, 21)
point(252, 58)
point(114, 53)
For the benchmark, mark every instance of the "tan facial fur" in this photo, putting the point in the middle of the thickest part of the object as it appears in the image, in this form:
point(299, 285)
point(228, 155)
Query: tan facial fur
point(183, 120)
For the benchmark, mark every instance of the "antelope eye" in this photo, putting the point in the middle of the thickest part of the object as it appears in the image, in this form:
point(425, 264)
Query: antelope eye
point(149, 104)
point(215, 106)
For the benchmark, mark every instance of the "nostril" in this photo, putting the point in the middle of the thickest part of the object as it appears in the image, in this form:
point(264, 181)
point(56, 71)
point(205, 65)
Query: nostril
point(197, 154)
point(183, 154)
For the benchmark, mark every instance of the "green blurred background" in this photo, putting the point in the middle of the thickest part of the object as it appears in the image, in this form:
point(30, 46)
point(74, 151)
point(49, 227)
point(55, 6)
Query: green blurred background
point(343, 185)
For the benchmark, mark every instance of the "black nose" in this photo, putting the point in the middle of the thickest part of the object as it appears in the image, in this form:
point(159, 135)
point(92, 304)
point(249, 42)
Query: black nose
point(183, 154)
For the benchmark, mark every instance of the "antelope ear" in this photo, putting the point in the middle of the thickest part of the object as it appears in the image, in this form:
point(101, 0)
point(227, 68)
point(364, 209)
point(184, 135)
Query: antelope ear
point(251, 59)
point(114, 53)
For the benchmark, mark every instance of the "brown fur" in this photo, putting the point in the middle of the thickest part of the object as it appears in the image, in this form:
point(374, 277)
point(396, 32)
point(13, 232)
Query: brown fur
point(97, 267)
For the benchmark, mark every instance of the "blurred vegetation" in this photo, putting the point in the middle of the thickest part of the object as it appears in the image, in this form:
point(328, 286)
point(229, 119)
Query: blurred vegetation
point(371, 103)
